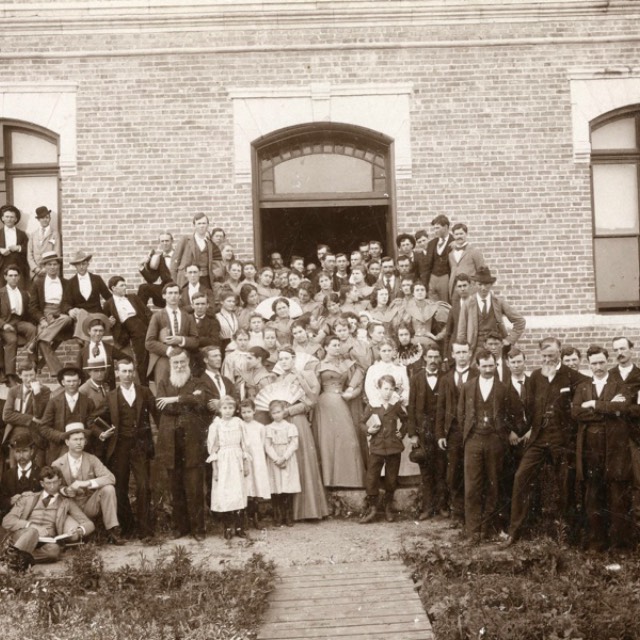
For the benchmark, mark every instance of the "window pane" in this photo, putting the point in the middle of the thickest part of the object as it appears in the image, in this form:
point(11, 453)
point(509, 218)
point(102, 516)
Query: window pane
point(323, 174)
point(617, 270)
point(615, 198)
point(30, 192)
point(30, 149)
point(620, 134)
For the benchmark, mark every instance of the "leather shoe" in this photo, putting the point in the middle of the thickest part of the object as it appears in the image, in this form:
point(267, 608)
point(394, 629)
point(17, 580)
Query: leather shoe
point(509, 541)
point(198, 536)
point(424, 515)
point(178, 534)
point(115, 536)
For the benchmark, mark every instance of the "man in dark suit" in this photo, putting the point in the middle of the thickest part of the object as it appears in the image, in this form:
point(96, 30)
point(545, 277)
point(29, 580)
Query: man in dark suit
point(13, 243)
point(449, 431)
point(64, 408)
point(129, 318)
point(181, 445)
point(49, 308)
point(169, 329)
point(129, 447)
point(484, 416)
point(96, 327)
point(83, 292)
point(193, 287)
point(24, 477)
point(15, 320)
point(198, 249)
point(156, 270)
point(462, 289)
point(548, 409)
point(23, 411)
point(421, 427)
point(389, 280)
point(436, 264)
point(208, 330)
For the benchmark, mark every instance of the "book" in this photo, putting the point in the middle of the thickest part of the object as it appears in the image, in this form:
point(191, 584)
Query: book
point(55, 539)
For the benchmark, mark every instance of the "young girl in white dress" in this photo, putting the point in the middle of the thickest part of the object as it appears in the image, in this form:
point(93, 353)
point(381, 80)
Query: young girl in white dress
point(230, 459)
point(280, 447)
point(258, 485)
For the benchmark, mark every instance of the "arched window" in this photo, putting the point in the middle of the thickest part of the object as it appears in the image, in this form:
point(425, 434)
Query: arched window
point(29, 171)
point(615, 171)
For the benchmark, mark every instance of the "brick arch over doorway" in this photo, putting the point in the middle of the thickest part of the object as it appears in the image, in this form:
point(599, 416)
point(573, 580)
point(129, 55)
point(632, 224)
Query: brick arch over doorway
point(322, 183)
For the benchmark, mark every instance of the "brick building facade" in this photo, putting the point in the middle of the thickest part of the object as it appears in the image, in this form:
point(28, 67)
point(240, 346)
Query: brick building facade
point(486, 111)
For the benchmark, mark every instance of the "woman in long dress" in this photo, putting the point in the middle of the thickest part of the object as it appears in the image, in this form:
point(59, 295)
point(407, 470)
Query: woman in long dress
point(428, 318)
point(300, 389)
point(302, 343)
point(336, 435)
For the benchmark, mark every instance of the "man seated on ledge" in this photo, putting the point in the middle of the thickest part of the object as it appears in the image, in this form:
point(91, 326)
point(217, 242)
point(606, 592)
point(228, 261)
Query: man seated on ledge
point(45, 514)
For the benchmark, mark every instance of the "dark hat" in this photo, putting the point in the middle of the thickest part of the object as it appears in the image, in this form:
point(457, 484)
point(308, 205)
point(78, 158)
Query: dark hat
point(405, 236)
point(68, 371)
point(50, 256)
point(80, 256)
point(94, 318)
point(94, 365)
point(21, 441)
point(42, 212)
point(418, 455)
point(483, 276)
point(75, 427)
point(10, 207)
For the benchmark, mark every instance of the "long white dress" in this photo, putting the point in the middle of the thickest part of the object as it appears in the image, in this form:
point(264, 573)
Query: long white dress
point(227, 447)
point(282, 441)
point(258, 485)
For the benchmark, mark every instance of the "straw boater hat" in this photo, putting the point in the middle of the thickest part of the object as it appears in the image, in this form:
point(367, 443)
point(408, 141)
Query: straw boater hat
point(75, 427)
point(80, 256)
point(50, 256)
point(96, 317)
point(483, 276)
point(94, 365)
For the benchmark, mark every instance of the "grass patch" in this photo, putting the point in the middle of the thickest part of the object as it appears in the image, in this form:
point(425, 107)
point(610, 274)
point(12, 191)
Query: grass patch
point(169, 599)
point(536, 590)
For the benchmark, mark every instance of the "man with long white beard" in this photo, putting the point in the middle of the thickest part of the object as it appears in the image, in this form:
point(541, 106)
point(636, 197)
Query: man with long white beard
point(181, 446)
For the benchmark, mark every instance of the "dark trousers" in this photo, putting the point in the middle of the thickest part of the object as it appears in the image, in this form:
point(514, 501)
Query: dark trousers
point(434, 475)
point(153, 291)
point(455, 472)
point(483, 458)
point(187, 490)
point(391, 464)
point(606, 502)
point(550, 443)
point(137, 332)
point(126, 459)
point(635, 469)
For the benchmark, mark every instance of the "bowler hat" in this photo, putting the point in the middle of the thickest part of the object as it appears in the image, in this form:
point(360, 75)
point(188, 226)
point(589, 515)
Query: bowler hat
point(42, 212)
point(50, 256)
point(10, 207)
point(483, 276)
point(80, 256)
point(93, 318)
point(405, 236)
point(21, 441)
point(69, 371)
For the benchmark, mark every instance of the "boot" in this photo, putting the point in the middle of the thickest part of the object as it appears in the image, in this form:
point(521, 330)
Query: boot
point(254, 513)
point(370, 512)
point(288, 509)
point(227, 523)
point(389, 516)
point(276, 503)
point(240, 532)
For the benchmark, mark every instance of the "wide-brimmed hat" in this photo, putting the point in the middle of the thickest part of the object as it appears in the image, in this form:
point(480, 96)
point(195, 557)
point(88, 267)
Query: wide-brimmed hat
point(93, 365)
point(80, 256)
point(405, 236)
point(75, 427)
point(483, 276)
point(50, 256)
point(100, 317)
point(42, 212)
point(21, 441)
point(69, 370)
point(10, 207)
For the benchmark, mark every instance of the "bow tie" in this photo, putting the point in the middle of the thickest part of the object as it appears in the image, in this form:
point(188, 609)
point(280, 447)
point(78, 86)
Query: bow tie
point(432, 375)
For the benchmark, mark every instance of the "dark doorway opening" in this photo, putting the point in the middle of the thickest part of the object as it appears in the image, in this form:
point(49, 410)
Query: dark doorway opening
point(298, 231)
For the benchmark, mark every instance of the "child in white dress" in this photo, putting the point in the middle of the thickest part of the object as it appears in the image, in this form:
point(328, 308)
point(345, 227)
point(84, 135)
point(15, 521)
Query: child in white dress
point(231, 464)
point(280, 447)
point(258, 485)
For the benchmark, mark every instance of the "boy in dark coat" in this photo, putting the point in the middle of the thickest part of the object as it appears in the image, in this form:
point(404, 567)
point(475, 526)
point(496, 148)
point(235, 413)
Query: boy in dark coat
point(385, 448)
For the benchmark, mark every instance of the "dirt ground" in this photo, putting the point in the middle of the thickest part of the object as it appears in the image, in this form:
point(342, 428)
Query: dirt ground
point(332, 541)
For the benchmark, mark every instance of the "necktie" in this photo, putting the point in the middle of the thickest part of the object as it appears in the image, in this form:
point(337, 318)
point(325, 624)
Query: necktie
point(96, 351)
point(176, 328)
point(388, 284)
point(218, 380)
point(24, 402)
point(46, 500)
point(102, 391)
point(484, 307)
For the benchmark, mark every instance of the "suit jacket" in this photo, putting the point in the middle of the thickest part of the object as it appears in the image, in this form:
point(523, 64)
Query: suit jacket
point(471, 259)
point(422, 414)
point(470, 319)
point(518, 402)
point(396, 289)
point(11, 486)
point(387, 441)
point(67, 515)
point(431, 255)
point(120, 335)
point(162, 272)
point(75, 300)
point(212, 390)
point(18, 258)
point(54, 421)
point(447, 406)
point(184, 255)
point(208, 330)
point(113, 354)
point(37, 301)
point(145, 407)
point(90, 469)
point(185, 303)
point(14, 417)
point(160, 323)
point(6, 316)
point(616, 429)
point(467, 408)
point(37, 246)
point(632, 382)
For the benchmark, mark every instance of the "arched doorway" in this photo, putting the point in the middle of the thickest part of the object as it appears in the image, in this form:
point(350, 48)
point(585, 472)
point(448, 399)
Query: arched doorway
point(322, 183)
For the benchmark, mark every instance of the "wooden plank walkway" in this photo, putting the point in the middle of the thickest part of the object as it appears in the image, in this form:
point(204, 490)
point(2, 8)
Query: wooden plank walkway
point(359, 601)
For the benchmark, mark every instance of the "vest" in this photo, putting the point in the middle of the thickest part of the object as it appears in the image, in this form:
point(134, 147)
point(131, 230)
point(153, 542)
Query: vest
point(486, 324)
point(484, 423)
point(201, 258)
point(45, 516)
point(127, 425)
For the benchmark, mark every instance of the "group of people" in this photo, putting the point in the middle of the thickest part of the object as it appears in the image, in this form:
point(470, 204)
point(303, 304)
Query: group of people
point(276, 383)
